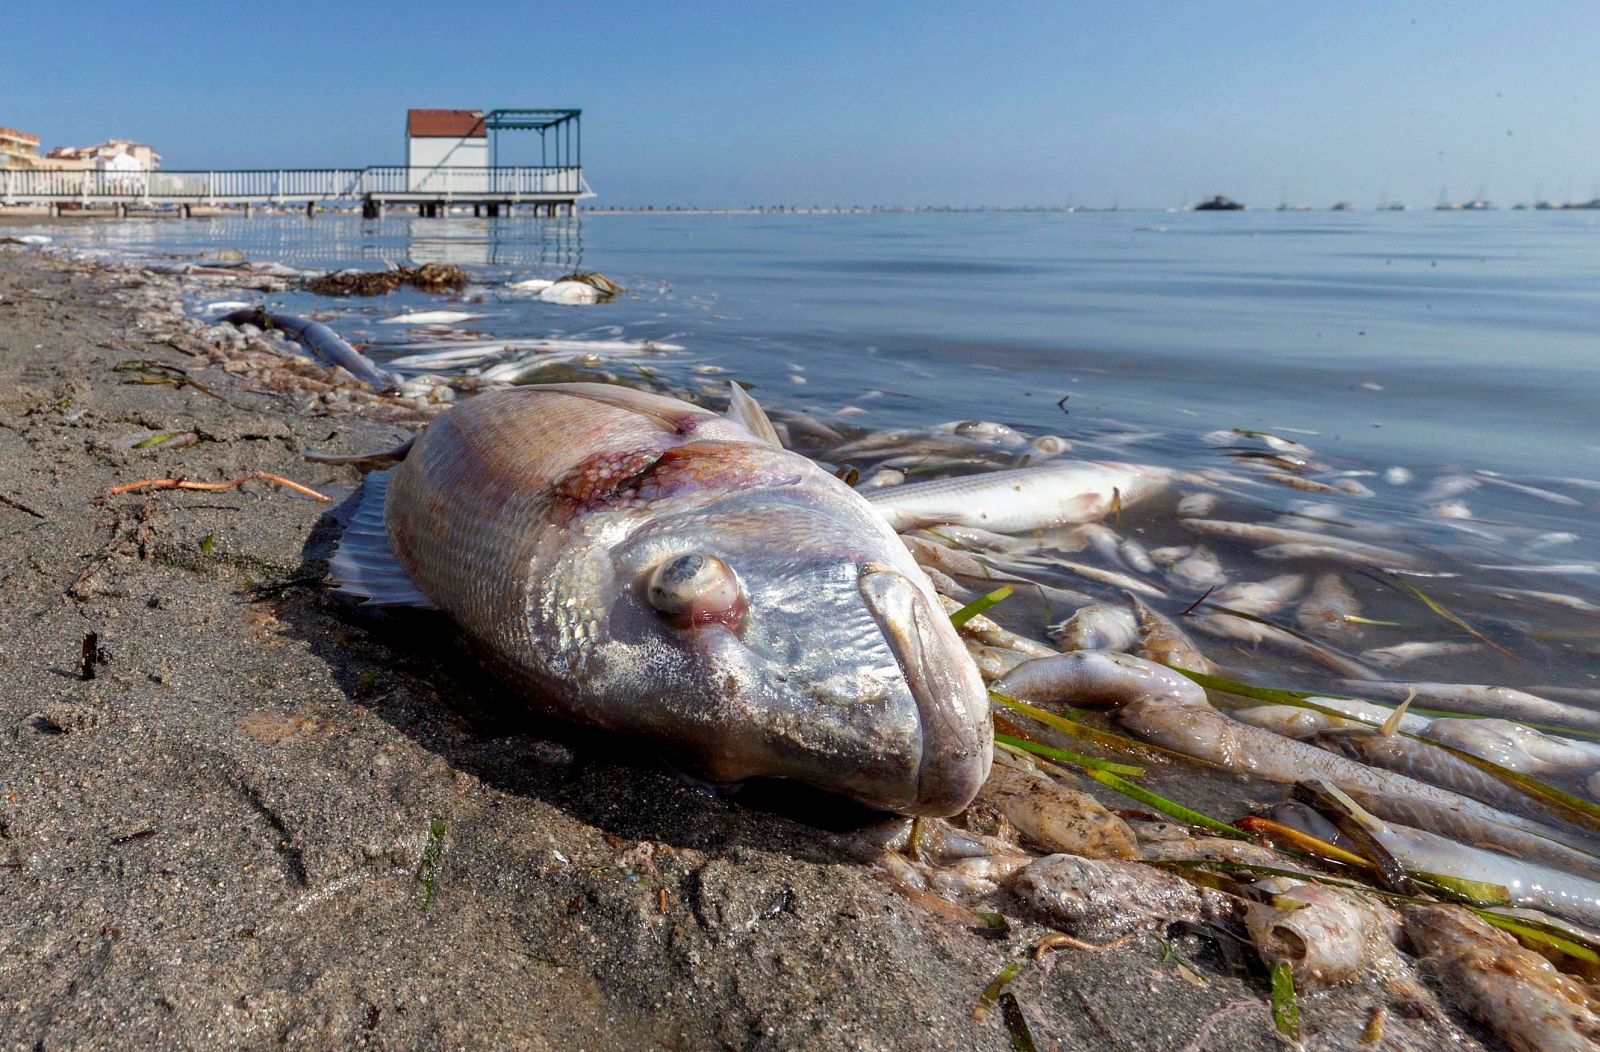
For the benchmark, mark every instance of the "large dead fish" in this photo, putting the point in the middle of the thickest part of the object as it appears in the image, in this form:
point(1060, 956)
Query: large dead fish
point(641, 564)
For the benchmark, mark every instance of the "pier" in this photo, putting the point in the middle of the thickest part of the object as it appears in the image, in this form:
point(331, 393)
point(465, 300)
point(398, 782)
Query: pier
point(546, 189)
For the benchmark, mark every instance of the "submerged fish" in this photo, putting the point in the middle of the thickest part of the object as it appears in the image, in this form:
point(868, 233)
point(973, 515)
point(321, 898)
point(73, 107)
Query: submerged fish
point(429, 317)
point(643, 565)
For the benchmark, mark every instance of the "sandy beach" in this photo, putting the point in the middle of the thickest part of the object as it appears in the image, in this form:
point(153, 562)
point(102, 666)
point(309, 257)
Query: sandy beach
point(269, 819)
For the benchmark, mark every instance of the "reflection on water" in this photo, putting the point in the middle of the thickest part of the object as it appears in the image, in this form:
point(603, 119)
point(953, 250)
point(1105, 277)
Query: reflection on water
point(337, 240)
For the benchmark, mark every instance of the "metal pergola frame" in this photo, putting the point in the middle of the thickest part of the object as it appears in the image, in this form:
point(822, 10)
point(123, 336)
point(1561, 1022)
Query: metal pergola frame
point(562, 149)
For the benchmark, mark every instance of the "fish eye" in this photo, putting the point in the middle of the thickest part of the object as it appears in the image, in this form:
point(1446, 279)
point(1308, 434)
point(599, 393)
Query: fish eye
point(696, 588)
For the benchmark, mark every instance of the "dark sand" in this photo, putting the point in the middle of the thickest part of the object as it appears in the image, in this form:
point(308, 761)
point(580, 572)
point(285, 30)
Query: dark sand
point(272, 820)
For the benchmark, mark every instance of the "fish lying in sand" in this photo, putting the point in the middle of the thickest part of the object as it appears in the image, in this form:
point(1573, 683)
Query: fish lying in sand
point(644, 565)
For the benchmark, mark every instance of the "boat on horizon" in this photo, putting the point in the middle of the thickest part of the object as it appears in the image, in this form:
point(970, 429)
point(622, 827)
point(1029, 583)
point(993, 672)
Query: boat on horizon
point(1219, 203)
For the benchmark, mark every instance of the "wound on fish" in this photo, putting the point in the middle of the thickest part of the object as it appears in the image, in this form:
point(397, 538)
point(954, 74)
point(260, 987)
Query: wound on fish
point(610, 479)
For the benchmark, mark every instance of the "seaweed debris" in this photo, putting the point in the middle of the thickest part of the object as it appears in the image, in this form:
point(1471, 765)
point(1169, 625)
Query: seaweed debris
point(430, 277)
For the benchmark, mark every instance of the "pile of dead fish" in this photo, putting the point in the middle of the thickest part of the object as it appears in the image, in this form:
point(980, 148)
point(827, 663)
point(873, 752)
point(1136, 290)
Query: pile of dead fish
point(1389, 829)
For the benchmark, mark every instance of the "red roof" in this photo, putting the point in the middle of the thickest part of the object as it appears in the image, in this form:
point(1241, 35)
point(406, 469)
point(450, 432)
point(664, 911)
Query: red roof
point(20, 136)
point(445, 124)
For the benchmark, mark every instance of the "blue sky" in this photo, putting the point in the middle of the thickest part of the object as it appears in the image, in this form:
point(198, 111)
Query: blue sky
point(730, 104)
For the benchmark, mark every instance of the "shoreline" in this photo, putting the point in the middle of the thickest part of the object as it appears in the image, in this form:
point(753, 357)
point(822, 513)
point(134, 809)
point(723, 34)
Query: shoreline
point(270, 818)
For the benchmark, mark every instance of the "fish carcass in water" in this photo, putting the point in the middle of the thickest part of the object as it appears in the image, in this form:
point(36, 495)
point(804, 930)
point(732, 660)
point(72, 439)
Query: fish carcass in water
point(641, 564)
point(1059, 493)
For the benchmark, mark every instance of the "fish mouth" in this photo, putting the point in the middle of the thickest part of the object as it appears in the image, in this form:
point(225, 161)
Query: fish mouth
point(952, 705)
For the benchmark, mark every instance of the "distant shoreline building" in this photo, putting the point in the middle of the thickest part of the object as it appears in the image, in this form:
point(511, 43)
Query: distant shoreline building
point(18, 149)
point(112, 155)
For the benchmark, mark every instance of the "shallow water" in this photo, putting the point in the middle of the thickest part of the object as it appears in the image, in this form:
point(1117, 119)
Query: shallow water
point(1441, 343)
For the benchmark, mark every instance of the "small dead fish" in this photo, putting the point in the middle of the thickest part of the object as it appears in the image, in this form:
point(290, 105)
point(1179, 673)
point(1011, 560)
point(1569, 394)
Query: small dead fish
point(1304, 485)
point(430, 317)
point(1514, 745)
point(1327, 610)
point(987, 631)
point(1405, 653)
point(1110, 578)
point(1500, 982)
point(1019, 500)
point(1162, 641)
point(1527, 595)
point(1199, 569)
point(1327, 936)
point(883, 477)
point(984, 431)
point(1531, 491)
point(1504, 702)
point(1301, 544)
point(1197, 505)
point(1447, 486)
point(1098, 627)
point(1359, 555)
point(1052, 815)
point(1256, 633)
point(1260, 597)
point(1561, 569)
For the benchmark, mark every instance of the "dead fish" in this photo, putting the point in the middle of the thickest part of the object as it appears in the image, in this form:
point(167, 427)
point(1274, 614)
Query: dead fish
point(1570, 602)
point(984, 431)
point(1301, 544)
point(1447, 486)
point(1304, 485)
point(1162, 641)
point(1506, 702)
point(1199, 569)
point(971, 537)
point(1290, 721)
point(1328, 609)
point(430, 317)
point(1258, 633)
point(1532, 491)
point(1098, 627)
point(1426, 762)
point(321, 342)
point(1260, 597)
point(1326, 935)
point(1060, 493)
point(986, 631)
point(1519, 994)
point(1197, 505)
point(1514, 745)
point(1054, 816)
point(1405, 653)
point(1105, 898)
point(637, 563)
point(1110, 578)
point(1561, 569)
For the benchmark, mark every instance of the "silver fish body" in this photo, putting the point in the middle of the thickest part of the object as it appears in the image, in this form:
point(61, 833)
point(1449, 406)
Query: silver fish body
point(643, 565)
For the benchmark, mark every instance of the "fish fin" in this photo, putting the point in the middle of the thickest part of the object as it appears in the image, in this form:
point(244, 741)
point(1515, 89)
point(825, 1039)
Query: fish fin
point(670, 413)
point(744, 410)
point(364, 565)
point(377, 457)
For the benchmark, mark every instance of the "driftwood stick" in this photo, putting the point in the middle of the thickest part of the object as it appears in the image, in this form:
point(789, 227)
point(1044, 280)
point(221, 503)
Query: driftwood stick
point(180, 483)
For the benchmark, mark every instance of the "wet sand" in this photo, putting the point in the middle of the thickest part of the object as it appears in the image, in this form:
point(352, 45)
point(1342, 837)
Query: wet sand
point(271, 819)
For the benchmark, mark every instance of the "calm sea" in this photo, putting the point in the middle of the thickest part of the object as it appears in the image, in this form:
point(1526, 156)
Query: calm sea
point(1446, 344)
point(1421, 339)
